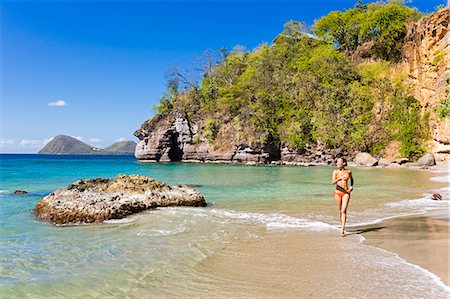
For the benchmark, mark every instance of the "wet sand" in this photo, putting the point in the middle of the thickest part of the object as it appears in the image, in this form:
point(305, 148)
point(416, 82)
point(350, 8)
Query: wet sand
point(423, 240)
point(296, 264)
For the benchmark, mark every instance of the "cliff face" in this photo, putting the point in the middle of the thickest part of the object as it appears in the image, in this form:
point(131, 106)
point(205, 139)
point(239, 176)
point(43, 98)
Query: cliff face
point(427, 62)
point(173, 138)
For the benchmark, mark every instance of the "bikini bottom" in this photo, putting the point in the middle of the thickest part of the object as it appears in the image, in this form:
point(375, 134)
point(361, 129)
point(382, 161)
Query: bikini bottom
point(340, 191)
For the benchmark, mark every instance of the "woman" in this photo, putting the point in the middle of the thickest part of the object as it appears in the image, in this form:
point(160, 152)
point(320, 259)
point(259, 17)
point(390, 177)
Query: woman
point(342, 193)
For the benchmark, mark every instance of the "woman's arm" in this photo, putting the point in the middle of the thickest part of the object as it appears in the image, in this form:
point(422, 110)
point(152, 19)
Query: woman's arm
point(351, 181)
point(334, 180)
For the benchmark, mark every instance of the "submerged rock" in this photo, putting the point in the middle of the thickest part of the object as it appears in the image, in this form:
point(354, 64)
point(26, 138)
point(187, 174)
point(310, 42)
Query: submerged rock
point(97, 200)
point(20, 192)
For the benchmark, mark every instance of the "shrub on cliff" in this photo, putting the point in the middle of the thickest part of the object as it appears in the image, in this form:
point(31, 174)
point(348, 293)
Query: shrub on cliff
point(443, 110)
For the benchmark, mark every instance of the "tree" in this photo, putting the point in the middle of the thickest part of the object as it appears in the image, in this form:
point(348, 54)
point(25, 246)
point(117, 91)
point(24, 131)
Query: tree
point(295, 29)
point(383, 23)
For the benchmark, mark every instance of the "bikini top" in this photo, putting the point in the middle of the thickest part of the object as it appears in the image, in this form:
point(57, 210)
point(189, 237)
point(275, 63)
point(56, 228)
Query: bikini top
point(345, 175)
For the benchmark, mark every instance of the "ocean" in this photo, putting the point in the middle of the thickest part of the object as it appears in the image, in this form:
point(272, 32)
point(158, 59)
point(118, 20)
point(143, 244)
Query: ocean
point(268, 231)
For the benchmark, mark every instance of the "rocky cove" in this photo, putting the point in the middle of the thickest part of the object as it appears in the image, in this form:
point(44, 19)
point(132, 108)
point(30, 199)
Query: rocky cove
point(174, 136)
point(171, 140)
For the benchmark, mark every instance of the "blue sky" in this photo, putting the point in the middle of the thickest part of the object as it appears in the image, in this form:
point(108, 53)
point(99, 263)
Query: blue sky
point(93, 70)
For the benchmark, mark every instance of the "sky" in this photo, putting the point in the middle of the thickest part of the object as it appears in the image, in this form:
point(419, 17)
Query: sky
point(94, 69)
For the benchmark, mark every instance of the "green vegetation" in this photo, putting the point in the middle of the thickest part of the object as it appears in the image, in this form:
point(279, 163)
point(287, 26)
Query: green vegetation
point(438, 58)
point(305, 90)
point(211, 129)
point(443, 110)
point(380, 25)
point(405, 123)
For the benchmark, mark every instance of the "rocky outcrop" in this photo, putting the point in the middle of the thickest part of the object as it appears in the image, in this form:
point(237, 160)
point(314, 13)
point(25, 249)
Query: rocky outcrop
point(427, 160)
point(161, 139)
point(97, 200)
point(168, 138)
point(165, 139)
point(427, 62)
point(365, 159)
point(20, 192)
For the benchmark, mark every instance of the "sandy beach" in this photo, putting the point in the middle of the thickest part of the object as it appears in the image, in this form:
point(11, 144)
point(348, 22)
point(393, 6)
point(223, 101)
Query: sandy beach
point(297, 264)
point(408, 251)
point(422, 240)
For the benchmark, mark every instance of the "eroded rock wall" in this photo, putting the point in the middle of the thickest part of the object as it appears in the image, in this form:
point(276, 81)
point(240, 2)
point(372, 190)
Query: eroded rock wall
point(427, 62)
point(169, 138)
point(172, 138)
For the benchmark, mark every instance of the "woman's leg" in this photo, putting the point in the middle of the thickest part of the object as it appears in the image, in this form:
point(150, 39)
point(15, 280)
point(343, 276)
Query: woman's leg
point(338, 198)
point(343, 212)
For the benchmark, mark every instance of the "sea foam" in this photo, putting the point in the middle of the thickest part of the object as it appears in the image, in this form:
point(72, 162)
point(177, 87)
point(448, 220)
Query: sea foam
point(274, 220)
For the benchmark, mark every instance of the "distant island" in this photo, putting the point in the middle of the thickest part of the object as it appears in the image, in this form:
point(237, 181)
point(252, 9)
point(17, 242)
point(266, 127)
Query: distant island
point(66, 145)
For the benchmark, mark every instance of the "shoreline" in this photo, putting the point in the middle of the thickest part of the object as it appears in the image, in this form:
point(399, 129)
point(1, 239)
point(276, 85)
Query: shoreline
point(421, 240)
point(440, 165)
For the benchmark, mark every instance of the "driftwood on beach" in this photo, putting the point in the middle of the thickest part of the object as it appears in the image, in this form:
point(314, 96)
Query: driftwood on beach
point(97, 200)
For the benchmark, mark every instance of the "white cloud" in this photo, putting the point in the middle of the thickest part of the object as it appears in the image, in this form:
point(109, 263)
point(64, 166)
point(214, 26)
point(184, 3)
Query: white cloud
point(96, 140)
point(121, 139)
point(78, 137)
point(58, 103)
point(23, 145)
point(34, 142)
point(4, 141)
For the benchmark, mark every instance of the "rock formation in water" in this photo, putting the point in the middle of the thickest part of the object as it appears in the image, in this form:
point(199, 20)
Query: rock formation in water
point(66, 145)
point(97, 200)
point(20, 192)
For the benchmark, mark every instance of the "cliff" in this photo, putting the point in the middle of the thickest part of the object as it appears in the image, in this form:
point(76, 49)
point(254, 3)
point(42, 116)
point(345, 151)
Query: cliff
point(166, 138)
point(427, 62)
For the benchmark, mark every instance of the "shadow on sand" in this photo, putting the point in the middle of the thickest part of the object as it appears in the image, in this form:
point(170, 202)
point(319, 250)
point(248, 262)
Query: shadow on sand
point(364, 230)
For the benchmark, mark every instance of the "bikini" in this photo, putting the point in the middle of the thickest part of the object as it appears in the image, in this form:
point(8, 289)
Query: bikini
point(340, 191)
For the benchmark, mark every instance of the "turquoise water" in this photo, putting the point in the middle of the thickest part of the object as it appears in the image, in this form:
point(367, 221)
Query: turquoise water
point(141, 253)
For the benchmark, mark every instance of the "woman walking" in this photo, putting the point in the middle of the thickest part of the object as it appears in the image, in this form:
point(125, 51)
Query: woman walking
point(340, 177)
